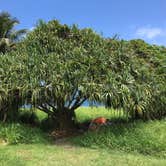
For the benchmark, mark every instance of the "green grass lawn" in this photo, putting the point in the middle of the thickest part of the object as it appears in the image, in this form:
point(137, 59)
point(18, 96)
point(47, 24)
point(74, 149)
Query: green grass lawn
point(121, 144)
point(52, 155)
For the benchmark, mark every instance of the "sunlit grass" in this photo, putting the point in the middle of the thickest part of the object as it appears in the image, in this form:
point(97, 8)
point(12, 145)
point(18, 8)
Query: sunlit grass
point(88, 113)
point(52, 155)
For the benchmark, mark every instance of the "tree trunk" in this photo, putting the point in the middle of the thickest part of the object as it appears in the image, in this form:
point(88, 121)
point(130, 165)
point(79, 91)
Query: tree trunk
point(3, 112)
point(9, 111)
point(66, 119)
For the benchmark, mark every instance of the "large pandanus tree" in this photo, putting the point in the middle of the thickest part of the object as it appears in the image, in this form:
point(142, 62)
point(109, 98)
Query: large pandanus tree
point(63, 67)
point(9, 36)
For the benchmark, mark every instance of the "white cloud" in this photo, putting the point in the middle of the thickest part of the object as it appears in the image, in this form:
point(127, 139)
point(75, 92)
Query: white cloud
point(32, 28)
point(149, 32)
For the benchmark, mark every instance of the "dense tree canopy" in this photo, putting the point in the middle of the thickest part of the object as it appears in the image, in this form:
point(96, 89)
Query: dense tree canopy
point(144, 95)
point(150, 62)
point(58, 67)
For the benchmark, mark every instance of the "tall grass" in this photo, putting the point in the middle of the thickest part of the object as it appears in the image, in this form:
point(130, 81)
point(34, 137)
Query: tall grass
point(145, 138)
point(14, 133)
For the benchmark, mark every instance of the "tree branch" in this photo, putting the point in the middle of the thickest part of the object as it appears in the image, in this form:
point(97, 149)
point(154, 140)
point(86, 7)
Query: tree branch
point(78, 104)
point(73, 97)
point(50, 105)
point(44, 109)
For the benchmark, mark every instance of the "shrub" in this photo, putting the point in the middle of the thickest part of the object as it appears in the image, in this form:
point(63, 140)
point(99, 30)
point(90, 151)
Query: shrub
point(28, 117)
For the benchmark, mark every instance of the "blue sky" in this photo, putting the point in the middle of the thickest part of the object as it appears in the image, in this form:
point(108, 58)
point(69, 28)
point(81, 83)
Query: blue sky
point(129, 19)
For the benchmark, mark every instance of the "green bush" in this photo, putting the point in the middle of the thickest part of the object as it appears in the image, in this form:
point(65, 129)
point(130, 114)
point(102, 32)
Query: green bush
point(28, 117)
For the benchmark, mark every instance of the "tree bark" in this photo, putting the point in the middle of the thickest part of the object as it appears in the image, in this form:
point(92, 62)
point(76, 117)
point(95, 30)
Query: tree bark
point(66, 119)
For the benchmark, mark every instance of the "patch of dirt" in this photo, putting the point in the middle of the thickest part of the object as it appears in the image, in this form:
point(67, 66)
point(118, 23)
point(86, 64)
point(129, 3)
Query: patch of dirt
point(60, 134)
point(25, 154)
point(61, 138)
point(65, 144)
point(78, 130)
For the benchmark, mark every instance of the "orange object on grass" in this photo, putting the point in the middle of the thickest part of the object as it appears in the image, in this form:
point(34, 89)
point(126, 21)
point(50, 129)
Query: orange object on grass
point(99, 120)
point(96, 123)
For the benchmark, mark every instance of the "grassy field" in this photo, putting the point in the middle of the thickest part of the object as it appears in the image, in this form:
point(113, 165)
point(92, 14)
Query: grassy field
point(121, 144)
point(52, 155)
